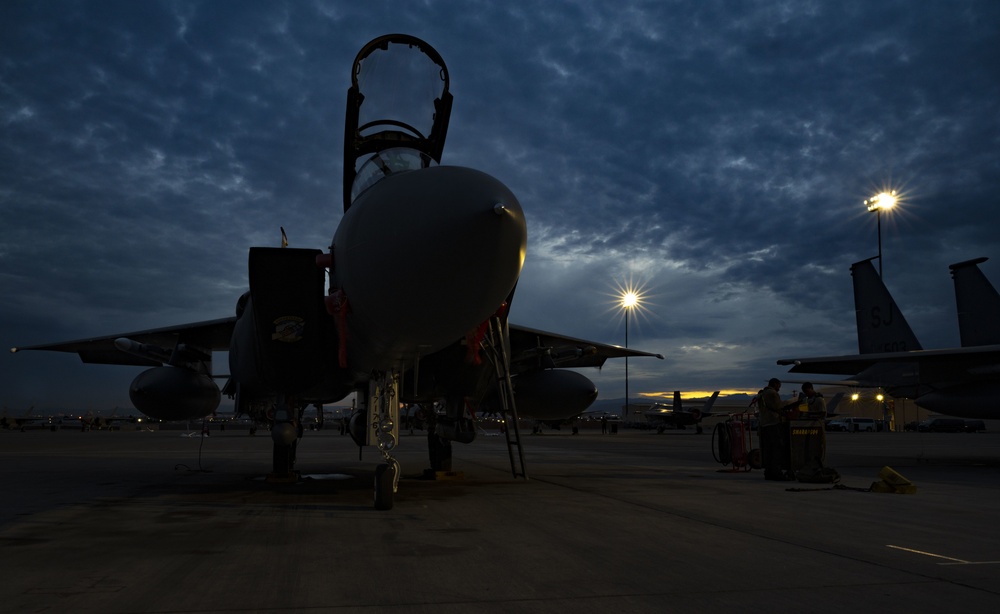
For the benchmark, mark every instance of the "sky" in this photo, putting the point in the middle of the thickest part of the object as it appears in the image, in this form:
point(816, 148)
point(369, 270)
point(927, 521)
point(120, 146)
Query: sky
point(713, 154)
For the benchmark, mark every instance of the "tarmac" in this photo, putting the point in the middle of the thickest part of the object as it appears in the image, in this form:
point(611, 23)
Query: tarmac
point(169, 521)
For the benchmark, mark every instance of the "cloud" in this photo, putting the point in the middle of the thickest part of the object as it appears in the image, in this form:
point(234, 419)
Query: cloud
point(720, 153)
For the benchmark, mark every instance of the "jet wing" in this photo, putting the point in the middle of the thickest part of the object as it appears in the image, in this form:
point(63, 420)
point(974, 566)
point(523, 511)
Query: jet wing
point(208, 335)
point(531, 348)
point(978, 359)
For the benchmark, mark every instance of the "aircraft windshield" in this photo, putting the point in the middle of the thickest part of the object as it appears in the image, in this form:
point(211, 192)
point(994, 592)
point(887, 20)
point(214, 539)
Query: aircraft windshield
point(398, 102)
point(385, 163)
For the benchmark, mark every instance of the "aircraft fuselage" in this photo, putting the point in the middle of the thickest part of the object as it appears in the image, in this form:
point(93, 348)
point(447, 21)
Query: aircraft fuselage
point(422, 258)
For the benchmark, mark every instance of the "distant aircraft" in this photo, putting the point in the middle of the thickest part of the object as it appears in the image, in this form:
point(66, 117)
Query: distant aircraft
point(833, 403)
point(961, 381)
point(95, 421)
point(9, 422)
point(422, 270)
point(662, 416)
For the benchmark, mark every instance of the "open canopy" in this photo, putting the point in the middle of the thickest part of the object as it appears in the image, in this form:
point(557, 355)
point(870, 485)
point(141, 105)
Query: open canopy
point(397, 111)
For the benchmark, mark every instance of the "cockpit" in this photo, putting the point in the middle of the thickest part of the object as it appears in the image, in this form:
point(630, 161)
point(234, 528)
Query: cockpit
point(387, 162)
point(398, 108)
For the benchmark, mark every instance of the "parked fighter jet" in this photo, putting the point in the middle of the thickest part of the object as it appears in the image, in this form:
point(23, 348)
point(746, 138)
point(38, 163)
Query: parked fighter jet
point(662, 416)
point(422, 270)
point(93, 421)
point(9, 422)
point(956, 381)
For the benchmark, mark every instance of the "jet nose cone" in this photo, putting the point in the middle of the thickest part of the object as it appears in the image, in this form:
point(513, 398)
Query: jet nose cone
point(428, 255)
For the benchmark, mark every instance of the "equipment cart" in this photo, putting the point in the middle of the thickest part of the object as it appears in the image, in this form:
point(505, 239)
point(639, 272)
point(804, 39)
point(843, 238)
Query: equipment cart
point(732, 443)
point(806, 443)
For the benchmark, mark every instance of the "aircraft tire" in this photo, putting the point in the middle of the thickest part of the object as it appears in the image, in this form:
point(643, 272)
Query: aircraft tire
point(384, 477)
point(440, 452)
point(283, 459)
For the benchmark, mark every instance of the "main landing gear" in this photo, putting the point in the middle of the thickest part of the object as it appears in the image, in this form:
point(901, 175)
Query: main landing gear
point(286, 430)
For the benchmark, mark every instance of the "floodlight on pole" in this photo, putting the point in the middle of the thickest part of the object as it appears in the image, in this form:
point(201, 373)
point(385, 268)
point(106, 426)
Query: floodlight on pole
point(886, 201)
point(630, 299)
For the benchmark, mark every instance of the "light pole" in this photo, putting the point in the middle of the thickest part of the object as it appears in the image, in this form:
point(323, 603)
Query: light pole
point(629, 300)
point(883, 200)
point(882, 405)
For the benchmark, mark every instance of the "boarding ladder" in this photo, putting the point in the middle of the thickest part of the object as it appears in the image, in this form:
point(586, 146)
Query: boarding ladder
point(497, 353)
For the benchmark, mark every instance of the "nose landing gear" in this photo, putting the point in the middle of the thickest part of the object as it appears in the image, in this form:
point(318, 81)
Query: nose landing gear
point(382, 404)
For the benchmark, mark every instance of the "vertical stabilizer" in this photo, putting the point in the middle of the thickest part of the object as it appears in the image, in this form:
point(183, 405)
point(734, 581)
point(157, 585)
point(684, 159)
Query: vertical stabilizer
point(677, 401)
point(831, 405)
point(978, 304)
point(881, 326)
point(707, 407)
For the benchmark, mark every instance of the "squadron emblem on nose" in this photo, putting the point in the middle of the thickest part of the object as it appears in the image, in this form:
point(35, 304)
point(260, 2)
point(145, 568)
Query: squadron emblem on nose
point(288, 329)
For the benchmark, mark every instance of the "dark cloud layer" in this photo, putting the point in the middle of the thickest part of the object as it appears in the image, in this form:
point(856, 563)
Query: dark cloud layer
point(716, 152)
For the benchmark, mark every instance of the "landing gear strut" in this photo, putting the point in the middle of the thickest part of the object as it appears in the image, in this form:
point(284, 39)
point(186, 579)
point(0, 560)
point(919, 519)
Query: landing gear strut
point(382, 405)
point(438, 448)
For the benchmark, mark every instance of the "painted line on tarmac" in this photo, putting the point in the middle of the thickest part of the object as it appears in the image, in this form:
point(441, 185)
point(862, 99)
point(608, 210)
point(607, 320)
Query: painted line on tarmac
point(951, 560)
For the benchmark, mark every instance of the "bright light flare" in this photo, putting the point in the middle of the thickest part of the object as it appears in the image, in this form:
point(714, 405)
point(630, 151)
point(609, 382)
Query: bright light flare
point(882, 201)
point(630, 297)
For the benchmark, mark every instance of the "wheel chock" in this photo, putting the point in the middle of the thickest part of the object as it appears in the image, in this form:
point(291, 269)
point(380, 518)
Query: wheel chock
point(891, 481)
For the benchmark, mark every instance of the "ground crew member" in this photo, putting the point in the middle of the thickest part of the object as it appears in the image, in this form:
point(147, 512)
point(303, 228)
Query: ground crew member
point(774, 449)
point(814, 401)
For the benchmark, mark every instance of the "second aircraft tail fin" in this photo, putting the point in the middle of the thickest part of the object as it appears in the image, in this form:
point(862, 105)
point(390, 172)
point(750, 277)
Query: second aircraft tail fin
point(978, 304)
